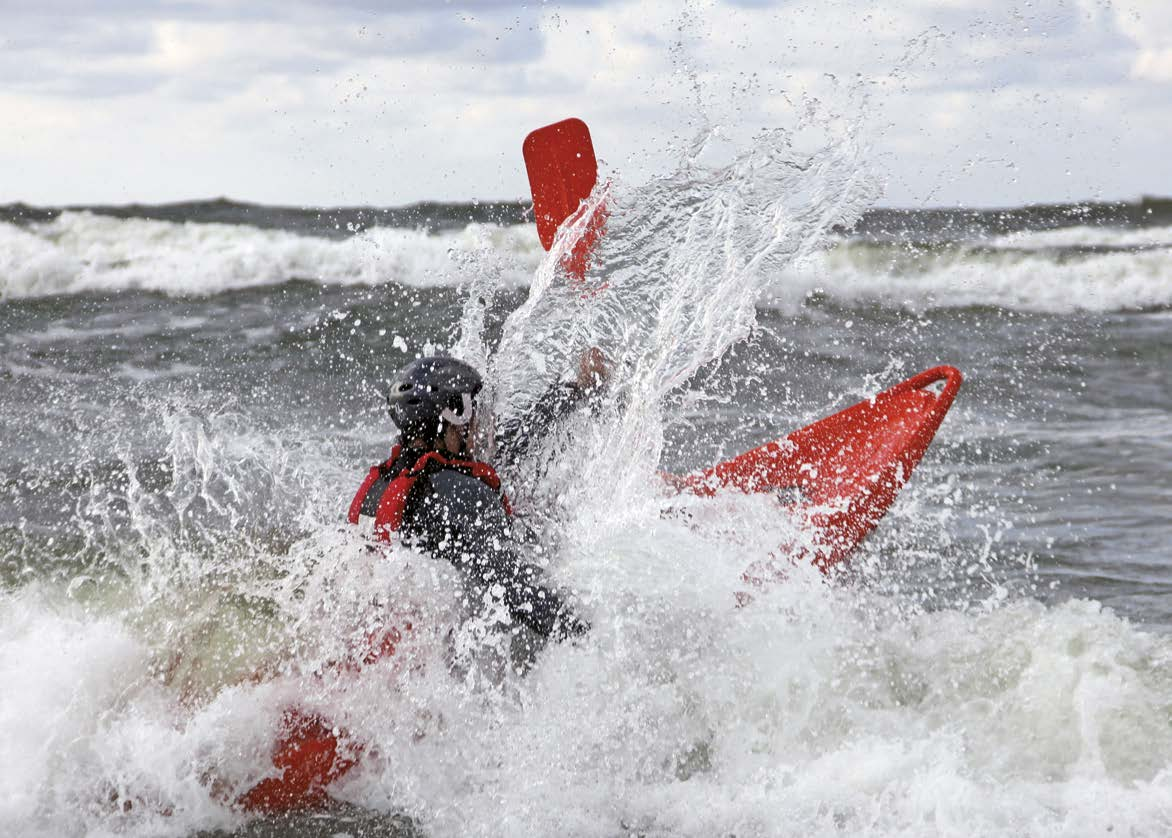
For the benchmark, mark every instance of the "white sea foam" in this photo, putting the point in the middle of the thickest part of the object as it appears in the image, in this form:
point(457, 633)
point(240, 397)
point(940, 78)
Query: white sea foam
point(813, 710)
point(81, 252)
point(1084, 236)
point(854, 273)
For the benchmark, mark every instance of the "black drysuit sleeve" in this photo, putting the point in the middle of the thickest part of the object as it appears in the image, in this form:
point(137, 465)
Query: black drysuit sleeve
point(513, 437)
point(458, 518)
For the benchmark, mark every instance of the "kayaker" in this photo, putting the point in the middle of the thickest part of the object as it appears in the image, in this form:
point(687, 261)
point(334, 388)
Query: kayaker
point(435, 494)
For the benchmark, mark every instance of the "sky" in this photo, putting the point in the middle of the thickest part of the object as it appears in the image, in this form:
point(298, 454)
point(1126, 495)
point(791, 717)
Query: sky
point(295, 102)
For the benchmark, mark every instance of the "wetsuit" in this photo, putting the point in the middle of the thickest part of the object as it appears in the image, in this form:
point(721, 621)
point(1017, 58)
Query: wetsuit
point(456, 516)
point(513, 437)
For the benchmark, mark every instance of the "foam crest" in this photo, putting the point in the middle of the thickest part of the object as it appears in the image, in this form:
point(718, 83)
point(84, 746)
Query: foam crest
point(81, 252)
point(65, 731)
point(854, 273)
point(1060, 271)
point(1087, 237)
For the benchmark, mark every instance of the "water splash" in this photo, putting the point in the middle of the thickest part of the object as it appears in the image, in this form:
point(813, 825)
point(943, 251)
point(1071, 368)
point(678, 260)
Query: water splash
point(672, 285)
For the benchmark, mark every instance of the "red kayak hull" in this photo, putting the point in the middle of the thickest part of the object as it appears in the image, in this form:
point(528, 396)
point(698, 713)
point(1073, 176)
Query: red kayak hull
point(847, 469)
point(309, 757)
point(843, 472)
point(311, 752)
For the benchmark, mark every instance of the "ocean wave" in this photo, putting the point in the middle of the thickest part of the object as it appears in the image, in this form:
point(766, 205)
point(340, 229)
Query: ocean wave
point(1066, 270)
point(1018, 719)
point(81, 252)
point(1083, 236)
point(1019, 279)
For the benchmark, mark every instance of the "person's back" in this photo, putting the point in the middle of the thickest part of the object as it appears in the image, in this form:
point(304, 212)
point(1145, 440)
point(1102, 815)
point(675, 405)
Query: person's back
point(437, 498)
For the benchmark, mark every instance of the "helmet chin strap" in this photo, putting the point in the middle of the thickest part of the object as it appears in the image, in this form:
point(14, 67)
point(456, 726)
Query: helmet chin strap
point(465, 414)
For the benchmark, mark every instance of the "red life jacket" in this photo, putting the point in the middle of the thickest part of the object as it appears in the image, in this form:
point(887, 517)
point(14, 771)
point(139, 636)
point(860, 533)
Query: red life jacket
point(389, 515)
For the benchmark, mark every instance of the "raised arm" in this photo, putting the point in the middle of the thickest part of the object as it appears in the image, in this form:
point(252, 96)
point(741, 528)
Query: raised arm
point(562, 399)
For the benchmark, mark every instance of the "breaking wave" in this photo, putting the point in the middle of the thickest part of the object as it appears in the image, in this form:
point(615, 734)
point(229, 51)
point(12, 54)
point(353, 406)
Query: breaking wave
point(81, 252)
point(1025, 273)
point(1062, 270)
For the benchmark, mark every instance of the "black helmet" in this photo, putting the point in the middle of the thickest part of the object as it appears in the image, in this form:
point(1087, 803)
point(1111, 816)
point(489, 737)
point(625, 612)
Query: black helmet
point(430, 390)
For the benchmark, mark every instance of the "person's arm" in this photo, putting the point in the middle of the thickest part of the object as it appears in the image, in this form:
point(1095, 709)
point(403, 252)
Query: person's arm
point(466, 525)
point(558, 402)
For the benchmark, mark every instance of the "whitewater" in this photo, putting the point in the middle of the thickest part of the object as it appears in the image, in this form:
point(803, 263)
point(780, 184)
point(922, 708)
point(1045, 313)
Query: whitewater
point(188, 406)
point(1070, 269)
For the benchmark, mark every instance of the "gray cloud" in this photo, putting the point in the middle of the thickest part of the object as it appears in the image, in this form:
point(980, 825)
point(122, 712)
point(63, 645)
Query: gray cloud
point(98, 83)
point(289, 11)
point(307, 100)
point(64, 35)
point(66, 49)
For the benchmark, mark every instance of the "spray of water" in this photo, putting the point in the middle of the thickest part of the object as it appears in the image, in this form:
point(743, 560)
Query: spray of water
point(672, 285)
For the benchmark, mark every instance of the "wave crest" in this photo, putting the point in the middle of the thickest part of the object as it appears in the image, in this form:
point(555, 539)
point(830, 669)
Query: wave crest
point(81, 252)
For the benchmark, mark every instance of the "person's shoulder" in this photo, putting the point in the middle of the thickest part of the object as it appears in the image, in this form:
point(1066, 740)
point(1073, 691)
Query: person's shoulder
point(458, 498)
point(452, 479)
point(456, 488)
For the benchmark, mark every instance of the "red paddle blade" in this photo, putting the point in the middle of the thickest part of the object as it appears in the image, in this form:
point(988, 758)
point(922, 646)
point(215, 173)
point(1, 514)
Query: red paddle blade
point(562, 173)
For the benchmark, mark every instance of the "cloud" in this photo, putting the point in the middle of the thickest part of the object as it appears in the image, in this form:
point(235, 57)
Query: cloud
point(205, 50)
point(367, 102)
point(1148, 23)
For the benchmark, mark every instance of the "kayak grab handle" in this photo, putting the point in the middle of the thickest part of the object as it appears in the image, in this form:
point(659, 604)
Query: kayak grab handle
point(951, 377)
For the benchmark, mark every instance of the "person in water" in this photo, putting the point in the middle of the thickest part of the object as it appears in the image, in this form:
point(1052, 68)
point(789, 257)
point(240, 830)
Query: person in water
point(439, 498)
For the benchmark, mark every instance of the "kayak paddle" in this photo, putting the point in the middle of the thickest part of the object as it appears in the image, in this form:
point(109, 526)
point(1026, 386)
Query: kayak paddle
point(563, 171)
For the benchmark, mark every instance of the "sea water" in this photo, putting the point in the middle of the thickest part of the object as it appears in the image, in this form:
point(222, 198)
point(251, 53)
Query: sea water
point(191, 394)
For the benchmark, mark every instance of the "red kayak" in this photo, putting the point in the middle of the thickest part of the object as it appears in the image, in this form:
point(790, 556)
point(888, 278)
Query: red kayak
point(841, 474)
